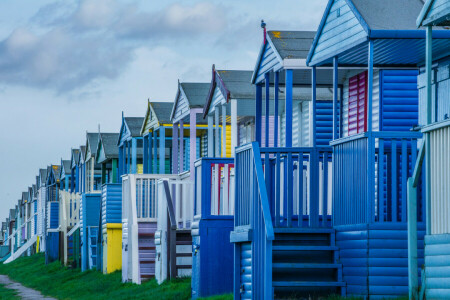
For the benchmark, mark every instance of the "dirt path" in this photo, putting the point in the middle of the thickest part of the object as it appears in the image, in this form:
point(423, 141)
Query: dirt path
point(23, 292)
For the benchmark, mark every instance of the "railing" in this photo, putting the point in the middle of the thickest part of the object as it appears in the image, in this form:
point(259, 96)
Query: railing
point(253, 211)
point(370, 177)
point(139, 204)
point(214, 187)
point(439, 146)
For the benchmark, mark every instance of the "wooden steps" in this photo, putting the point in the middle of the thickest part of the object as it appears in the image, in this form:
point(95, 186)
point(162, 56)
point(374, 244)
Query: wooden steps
point(147, 250)
point(305, 264)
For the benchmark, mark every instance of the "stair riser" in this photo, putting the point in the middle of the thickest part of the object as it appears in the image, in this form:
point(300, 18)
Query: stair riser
point(303, 256)
point(286, 274)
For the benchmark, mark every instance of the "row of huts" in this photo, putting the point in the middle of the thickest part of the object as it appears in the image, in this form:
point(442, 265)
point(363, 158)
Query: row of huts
point(325, 170)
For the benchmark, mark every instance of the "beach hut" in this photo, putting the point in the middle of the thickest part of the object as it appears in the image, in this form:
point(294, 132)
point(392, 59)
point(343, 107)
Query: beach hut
point(41, 198)
point(283, 243)
point(375, 152)
point(107, 156)
point(176, 195)
point(90, 206)
point(52, 214)
point(75, 170)
point(214, 179)
point(433, 160)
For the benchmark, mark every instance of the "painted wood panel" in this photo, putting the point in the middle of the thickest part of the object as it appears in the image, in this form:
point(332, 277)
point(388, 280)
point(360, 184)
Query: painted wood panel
point(438, 9)
point(340, 32)
point(182, 107)
point(246, 270)
point(246, 133)
point(357, 104)
point(217, 99)
point(111, 203)
point(437, 266)
point(269, 61)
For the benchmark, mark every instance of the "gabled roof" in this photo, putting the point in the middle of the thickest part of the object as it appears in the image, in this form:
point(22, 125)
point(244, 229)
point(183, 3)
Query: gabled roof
point(233, 84)
point(24, 197)
point(195, 93)
point(54, 171)
point(157, 110)
point(390, 24)
point(91, 142)
point(65, 167)
point(75, 157)
point(435, 13)
point(43, 176)
point(131, 125)
point(107, 143)
point(12, 214)
point(82, 154)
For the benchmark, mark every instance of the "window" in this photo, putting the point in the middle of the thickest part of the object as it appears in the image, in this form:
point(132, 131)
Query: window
point(357, 104)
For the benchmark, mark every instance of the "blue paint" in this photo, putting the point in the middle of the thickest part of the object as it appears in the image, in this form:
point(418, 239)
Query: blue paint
point(212, 251)
point(289, 85)
point(275, 132)
point(258, 113)
point(111, 203)
point(90, 218)
point(267, 108)
point(51, 247)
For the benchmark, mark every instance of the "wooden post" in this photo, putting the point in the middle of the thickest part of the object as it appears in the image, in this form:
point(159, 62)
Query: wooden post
point(210, 136)
point(258, 113)
point(412, 240)
point(162, 150)
point(313, 104)
point(175, 148)
point(430, 105)
point(193, 142)
point(181, 146)
point(134, 155)
point(234, 127)
point(114, 178)
point(145, 155)
point(217, 133)
point(335, 96)
point(267, 108)
point(155, 152)
point(224, 130)
point(289, 84)
point(275, 115)
point(150, 151)
point(371, 141)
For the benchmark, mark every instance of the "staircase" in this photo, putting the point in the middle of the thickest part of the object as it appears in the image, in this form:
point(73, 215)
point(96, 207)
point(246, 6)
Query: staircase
point(184, 252)
point(92, 246)
point(305, 264)
point(22, 249)
point(70, 257)
point(147, 250)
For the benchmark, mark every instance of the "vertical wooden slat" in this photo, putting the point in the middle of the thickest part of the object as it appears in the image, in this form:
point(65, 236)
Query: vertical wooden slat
point(277, 190)
point(404, 178)
point(394, 180)
point(325, 189)
point(290, 189)
point(381, 204)
point(300, 189)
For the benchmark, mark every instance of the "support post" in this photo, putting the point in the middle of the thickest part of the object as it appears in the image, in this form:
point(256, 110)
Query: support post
point(217, 133)
point(267, 109)
point(234, 127)
point(175, 148)
point(335, 97)
point(193, 143)
point(150, 151)
point(289, 83)
point(258, 113)
point(430, 102)
point(371, 141)
point(134, 155)
point(313, 102)
point(162, 150)
point(155, 151)
point(412, 240)
point(224, 130)
point(181, 146)
point(210, 136)
point(145, 156)
point(103, 173)
point(275, 114)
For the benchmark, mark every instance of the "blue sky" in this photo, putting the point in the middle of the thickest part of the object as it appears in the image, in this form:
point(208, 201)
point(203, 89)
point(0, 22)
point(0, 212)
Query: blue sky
point(67, 66)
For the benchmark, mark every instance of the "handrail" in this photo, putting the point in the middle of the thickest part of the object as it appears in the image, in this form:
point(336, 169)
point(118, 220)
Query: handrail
point(173, 222)
point(263, 192)
point(378, 134)
point(418, 167)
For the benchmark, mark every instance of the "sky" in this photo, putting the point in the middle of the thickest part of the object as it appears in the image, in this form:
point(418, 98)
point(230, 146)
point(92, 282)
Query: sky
point(67, 67)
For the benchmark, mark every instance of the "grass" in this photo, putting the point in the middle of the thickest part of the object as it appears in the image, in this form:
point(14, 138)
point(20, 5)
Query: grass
point(6, 293)
point(63, 283)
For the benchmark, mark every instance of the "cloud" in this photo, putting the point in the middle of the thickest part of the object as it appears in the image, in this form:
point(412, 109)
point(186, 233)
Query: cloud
point(71, 45)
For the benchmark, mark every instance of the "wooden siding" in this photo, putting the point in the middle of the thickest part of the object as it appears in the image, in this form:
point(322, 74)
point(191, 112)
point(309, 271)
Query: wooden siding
point(246, 133)
point(111, 203)
point(437, 266)
point(151, 121)
point(340, 32)
point(182, 108)
point(269, 61)
point(375, 258)
point(246, 270)
point(441, 76)
point(399, 100)
point(357, 104)
point(217, 99)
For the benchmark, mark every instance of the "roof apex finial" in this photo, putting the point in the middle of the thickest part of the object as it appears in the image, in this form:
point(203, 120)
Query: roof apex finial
point(263, 26)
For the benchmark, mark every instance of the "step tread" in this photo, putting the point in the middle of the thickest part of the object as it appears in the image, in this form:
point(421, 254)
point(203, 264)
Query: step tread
point(184, 267)
point(304, 248)
point(302, 230)
point(307, 265)
point(306, 283)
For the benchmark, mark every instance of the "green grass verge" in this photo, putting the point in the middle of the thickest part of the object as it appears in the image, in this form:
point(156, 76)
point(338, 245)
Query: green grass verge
point(6, 293)
point(62, 283)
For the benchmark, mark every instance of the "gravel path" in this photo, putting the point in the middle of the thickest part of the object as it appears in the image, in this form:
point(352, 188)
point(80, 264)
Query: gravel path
point(23, 292)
